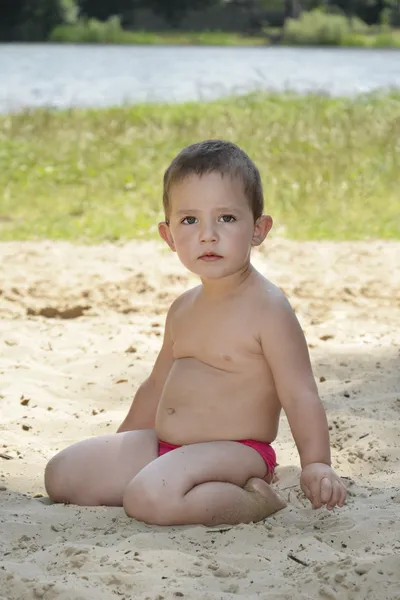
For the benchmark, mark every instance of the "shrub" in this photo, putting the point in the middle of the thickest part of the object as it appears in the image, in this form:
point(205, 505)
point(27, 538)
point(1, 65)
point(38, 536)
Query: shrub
point(90, 31)
point(386, 39)
point(320, 28)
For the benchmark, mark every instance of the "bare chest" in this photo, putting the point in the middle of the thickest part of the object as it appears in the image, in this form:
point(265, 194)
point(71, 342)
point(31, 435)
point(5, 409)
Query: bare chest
point(223, 337)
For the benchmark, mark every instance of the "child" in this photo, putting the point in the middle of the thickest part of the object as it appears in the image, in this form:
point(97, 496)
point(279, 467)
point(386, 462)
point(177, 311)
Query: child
point(195, 444)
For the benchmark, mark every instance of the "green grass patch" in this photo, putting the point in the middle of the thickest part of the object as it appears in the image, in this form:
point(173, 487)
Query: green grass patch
point(330, 166)
point(110, 32)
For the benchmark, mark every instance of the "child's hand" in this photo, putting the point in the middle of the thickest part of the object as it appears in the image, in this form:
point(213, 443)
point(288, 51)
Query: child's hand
point(322, 486)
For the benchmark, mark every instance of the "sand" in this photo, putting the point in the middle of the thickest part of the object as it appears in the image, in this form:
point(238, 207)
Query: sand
point(80, 329)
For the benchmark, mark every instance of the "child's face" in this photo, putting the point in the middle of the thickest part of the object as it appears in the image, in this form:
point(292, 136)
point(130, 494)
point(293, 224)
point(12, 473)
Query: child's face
point(211, 225)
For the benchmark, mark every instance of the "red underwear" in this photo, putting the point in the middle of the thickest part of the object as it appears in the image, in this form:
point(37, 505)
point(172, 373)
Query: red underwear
point(264, 449)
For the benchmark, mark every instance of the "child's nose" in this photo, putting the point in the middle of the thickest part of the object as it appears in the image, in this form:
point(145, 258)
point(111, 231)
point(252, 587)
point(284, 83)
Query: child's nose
point(208, 233)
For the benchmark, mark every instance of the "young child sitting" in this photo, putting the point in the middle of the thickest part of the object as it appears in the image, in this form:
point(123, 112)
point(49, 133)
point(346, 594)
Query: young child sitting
point(195, 446)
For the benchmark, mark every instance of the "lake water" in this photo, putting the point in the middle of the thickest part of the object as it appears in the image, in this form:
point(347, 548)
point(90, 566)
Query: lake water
point(83, 75)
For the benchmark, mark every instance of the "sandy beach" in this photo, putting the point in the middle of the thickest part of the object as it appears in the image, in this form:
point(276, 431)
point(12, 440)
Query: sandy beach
point(80, 328)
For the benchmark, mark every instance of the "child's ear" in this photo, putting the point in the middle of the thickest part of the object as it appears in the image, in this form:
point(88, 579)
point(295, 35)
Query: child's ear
point(165, 233)
point(262, 227)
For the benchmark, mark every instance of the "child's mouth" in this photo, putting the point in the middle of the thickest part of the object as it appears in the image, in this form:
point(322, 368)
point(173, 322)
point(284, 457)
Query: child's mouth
point(210, 256)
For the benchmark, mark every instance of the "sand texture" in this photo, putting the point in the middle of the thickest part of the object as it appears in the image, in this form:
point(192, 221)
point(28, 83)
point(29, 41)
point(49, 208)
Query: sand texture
point(80, 328)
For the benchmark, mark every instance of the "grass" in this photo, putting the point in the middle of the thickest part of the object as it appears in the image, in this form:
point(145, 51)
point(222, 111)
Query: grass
point(330, 167)
point(83, 33)
point(65, 33)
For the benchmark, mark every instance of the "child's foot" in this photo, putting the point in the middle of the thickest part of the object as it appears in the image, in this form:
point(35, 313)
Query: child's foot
point(274, 478)
point(269, 501)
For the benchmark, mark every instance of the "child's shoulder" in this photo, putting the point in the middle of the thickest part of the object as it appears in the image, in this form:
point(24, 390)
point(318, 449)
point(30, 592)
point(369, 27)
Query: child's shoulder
point(269, 295)
point(184, 298)
point(266, 289)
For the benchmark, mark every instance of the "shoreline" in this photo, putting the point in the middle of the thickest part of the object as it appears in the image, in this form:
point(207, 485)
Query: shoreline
point(175, 44)
point(259, 43)
point(384, 38)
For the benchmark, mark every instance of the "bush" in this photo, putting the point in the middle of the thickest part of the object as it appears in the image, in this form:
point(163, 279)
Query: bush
point(317, 28)
point(386, 39)
point(70, 10)
point(90, 31)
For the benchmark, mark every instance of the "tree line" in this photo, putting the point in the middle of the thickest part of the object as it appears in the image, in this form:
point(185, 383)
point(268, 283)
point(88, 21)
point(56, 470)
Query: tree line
point(33, 20)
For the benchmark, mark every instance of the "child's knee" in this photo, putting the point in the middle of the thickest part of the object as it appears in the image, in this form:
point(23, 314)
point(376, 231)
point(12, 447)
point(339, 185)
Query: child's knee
point(65, 483)
point(146, 502)
point(54, 479)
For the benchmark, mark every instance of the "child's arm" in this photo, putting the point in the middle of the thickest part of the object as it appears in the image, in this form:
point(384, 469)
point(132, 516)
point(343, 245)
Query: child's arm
point(286, 352)
point(142, 413)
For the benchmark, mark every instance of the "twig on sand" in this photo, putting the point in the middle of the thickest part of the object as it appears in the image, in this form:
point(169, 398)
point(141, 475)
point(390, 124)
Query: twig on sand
point(6, 456)
point(298, 560)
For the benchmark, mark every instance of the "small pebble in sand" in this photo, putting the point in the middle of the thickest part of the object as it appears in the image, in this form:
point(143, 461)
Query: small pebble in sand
point(131, 350)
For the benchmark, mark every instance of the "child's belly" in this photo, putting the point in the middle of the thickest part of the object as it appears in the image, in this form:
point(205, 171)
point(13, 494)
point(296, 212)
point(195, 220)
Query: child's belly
point(201, 403)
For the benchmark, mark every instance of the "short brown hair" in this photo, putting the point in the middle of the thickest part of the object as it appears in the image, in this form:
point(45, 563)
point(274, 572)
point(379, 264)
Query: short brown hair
point(221, 157)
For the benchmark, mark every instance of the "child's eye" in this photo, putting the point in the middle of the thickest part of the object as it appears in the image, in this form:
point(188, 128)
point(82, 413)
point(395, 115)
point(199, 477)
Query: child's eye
point(227, 218)
point(189, 220)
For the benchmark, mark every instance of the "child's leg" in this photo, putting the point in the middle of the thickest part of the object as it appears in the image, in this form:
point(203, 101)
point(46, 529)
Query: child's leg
point(96, 471)
point(208, 483)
